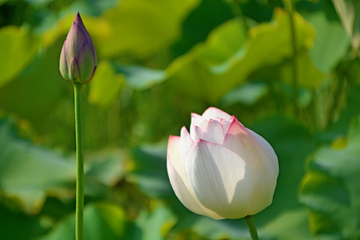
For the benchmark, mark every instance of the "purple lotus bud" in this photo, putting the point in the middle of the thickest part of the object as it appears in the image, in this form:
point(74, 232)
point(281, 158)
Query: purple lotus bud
point(78, 57)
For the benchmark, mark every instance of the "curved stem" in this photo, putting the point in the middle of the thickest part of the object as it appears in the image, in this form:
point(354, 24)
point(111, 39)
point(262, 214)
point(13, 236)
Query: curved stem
point(252, 229)
point(79, 232)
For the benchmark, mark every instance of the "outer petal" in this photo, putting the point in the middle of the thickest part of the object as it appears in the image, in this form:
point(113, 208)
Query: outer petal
point(81, 26)
point(197, 121)
point(63, 64)
point(179, 181)
point(75, 40)
point(226, 124)
point(213, 113)
point(214, 132)
point(74, 71)
point(86, 61)
point(240, 141)
point(185, 143)
point(92, 75)
point(197, 134)
point(220, 179)
point(268, 150)
point(181, 191)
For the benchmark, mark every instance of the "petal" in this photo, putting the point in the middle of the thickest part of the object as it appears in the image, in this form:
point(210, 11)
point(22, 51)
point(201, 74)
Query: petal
point(269, 151)
point(174, 154)
point(220, 179)
point(81, 26)
point(92, 75)
point(85, 61)
point(226, 124)
point(214, 132)
point(74, 41)
point(239, 140)
point(63, 64)
point(197, 134)
point(213, 113)
point(181, 191)
point(179, 181)
point(197, 120)
point(185, 143)
point(74, 72)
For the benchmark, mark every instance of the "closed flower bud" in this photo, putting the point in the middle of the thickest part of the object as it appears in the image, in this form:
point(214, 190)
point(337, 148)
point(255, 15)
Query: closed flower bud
point(221, 169)
point(78, 57)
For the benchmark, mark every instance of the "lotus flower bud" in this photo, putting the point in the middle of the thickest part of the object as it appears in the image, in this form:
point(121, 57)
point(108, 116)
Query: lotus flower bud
point(221, 169)
point(78, 57)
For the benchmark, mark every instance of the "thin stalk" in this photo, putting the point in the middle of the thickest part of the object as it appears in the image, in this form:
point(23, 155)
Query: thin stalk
point(295, 82)
point(252, 229)
point(79, 225)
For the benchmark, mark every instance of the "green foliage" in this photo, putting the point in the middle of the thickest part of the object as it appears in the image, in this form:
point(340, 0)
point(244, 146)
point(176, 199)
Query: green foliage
point(20, 49)
point(140, 78)
point(38, 95)
point(226, 59)
point(331, 43)
point(158, 62)
point(156, 225)
point(29, 172)
point(291, 225)
point(106, 85)
point(348, 13)
point(331, 187)
point(11, 219)
point(101, 221)
point(149, 172)
point(290, 140)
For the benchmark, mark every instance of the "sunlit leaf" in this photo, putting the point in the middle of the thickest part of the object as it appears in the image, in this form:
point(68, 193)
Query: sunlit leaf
point(247, 94)
point(101, 221)
point(17, 48)
point(331, 43)
point(106, 85)
point(140, 78)
point(308, 75)
point(224, 229)
point(35, 93)
point(204, 226)
point(226, 59)
point(156, 225)
point(106, 167)
point(348, 11)
point(142, 27)
point(191, 74)
point(98, 27)
point(221, 43)
point(199, 23)
point(137, 27)
point(331, 188)
point(289, 225)
point(28, 172)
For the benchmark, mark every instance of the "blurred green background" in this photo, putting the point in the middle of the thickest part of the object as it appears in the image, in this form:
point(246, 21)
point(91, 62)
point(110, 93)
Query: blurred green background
point(160, 60)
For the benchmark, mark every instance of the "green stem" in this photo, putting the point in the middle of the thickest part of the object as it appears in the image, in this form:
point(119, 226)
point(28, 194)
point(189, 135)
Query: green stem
point(290, 7)
point(252, 229)
point(79, 232)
